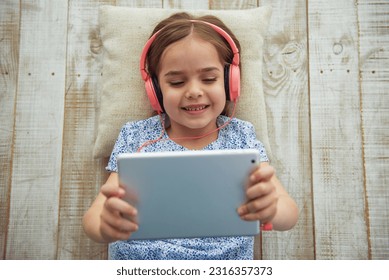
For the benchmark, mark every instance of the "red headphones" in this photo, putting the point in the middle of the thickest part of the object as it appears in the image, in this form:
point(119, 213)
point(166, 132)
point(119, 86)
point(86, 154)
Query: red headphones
point(231, 71)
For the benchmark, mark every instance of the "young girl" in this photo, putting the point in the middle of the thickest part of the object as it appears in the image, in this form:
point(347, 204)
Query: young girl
point(191, 69)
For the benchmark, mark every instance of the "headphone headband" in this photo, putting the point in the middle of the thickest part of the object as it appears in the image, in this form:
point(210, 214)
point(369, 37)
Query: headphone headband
point(224, 34)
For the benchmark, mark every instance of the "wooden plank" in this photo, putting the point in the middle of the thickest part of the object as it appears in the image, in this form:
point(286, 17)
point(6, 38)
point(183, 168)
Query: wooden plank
point(189, 5)
point(232, 4)
point(140, 3)
point(285, 77)
point(82, 175)
point(337, 165)
point(374, 56)
point(9, 63)
point(32, 231)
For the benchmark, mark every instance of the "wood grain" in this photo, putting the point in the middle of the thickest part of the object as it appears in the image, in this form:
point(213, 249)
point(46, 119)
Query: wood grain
point(180, 4)
point(82, 175)
point(285, 76)
point(9, 66)
point(374, 54)
point(36, 165)
point(232, 4)
point(337, 163)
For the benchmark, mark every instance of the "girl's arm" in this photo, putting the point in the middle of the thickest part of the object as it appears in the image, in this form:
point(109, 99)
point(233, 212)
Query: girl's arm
point(104, 221)
point(268, 201)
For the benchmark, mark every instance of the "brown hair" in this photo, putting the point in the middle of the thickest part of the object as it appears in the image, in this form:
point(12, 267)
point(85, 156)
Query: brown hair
point(179, 26)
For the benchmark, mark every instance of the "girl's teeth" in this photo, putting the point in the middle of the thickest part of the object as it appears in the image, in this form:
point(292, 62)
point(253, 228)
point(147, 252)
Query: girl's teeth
point(195, 109)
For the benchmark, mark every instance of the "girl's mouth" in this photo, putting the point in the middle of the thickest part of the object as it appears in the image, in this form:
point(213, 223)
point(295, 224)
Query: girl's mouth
point(195, 108)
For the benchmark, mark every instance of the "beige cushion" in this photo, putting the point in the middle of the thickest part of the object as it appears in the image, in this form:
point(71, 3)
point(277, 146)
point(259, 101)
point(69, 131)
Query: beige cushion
point(124, 31)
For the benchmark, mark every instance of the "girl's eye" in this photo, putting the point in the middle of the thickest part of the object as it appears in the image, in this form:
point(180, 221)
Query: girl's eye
point(176, 83)
point(210, 80)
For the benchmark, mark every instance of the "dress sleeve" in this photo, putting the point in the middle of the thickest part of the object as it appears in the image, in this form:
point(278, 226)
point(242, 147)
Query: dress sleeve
point(124, 144)
point(254, 143)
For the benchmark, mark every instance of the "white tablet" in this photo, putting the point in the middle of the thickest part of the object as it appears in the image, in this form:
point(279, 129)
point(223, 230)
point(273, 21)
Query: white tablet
point(188, 194)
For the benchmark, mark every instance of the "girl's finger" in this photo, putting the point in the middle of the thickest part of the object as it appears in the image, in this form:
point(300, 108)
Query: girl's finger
point(265, 215)
point(116, 204)
point(259, 204)
point(258, 190)
point(109, 190)
point(111, 234)
point(118, 222)
point(263, 173)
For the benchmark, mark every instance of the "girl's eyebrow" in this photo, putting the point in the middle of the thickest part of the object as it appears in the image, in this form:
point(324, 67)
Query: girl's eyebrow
point(206, 69)
point(209, 69)
point(173, 73)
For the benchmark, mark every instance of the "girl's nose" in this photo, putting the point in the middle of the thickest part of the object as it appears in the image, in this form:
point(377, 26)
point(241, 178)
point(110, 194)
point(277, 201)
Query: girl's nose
point(194, 91)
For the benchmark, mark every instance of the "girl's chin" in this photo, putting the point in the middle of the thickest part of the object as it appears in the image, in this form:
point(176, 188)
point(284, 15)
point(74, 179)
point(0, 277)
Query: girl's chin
point(194, 127)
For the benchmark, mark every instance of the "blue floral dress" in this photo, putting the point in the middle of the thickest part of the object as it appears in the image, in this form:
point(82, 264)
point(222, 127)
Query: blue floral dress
point(237, 134)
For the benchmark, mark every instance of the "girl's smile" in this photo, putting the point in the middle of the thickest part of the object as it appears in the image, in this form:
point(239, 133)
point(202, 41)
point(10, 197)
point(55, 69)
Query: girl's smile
point(191, 78)
point(195, 109)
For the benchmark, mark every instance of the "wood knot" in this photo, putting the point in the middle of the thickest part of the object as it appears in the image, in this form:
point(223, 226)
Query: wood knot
point(337, 48)
point(95, 42)
point(293, 54)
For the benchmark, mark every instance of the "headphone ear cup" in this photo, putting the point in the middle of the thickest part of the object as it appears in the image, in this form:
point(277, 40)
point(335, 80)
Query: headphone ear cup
point(158, 94)
point(234, 82)
point(152, 94)
point(227, 81)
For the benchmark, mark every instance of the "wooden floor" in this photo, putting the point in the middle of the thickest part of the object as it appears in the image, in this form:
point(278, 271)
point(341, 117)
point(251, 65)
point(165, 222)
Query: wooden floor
point(326, 83)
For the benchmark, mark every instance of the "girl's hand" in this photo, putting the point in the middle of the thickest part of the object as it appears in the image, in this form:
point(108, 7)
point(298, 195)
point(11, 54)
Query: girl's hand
point(261, 196)
point(118, 218)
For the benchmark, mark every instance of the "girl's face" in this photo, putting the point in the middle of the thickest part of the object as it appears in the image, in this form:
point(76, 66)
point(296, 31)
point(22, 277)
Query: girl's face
point(191, 77)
